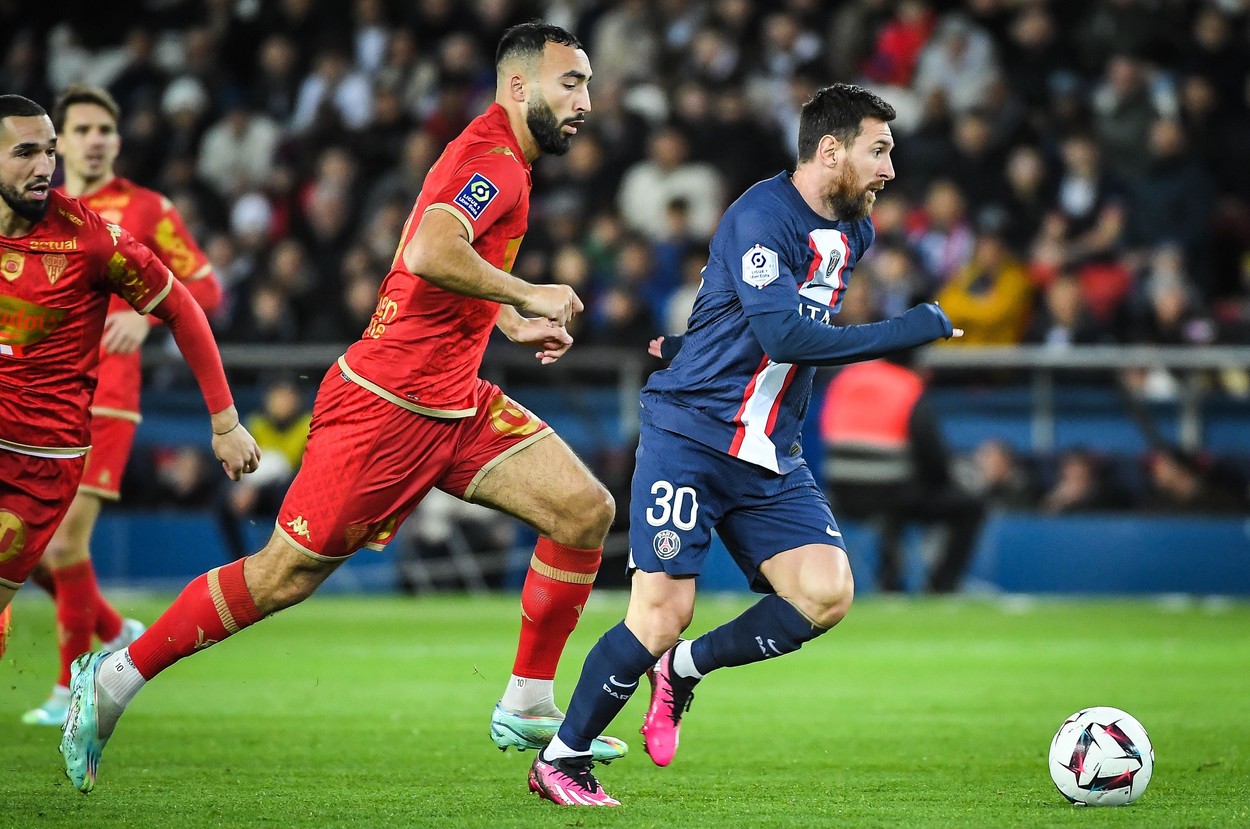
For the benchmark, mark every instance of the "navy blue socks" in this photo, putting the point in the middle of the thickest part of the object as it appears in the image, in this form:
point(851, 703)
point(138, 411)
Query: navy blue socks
point(771, 627)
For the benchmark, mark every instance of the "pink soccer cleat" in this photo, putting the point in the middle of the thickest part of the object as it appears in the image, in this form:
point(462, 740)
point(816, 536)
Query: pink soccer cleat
point(568, 781)
point(670, 698)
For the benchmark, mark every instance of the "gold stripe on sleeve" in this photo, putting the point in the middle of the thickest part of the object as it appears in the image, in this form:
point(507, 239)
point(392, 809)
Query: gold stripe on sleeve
point(453, 211)
point(169, 285)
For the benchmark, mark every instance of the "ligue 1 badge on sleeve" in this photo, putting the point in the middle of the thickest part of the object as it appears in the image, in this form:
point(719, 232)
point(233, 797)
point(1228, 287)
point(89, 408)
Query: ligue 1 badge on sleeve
point(476, 195)
point(759, 266)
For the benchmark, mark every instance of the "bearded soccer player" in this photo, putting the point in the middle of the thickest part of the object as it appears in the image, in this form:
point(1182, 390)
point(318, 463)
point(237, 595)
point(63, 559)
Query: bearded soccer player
point(720, 447)
point(404, 411)
point(59, 265)
point(86, 121)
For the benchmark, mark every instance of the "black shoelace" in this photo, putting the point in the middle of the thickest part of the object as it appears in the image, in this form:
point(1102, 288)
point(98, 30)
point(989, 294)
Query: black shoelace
point(579, 769)
point(680, 695)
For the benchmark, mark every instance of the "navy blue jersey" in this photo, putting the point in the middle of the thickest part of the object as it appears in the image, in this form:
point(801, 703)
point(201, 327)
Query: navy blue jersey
point(771, 253)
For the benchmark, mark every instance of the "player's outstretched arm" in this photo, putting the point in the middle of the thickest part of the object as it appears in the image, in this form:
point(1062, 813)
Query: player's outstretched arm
point(126, 330)
point(440, 252)
point(790, 337)
point(232, 444)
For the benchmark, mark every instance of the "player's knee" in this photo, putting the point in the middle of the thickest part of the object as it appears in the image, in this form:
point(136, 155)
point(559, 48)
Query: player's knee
point(658, 620)
point(660, 629)
point(589, 516)
point(64, 550)
point(826, 600)
point(601, 509)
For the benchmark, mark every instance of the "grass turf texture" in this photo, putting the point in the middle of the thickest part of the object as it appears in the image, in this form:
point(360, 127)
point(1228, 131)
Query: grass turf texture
point(373, 712)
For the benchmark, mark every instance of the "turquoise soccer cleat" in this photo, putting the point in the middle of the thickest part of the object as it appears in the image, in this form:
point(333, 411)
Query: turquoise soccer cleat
point(523, 732)
point(81, 743)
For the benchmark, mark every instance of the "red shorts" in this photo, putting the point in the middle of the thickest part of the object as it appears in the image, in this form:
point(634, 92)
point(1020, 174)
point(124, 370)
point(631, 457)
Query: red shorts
point(35, 494)
point(369, 462)
point(111, 441)
point(114, 418)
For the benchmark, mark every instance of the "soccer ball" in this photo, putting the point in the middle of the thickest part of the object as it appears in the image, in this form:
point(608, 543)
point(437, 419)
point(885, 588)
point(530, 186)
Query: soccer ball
point(1101, 757)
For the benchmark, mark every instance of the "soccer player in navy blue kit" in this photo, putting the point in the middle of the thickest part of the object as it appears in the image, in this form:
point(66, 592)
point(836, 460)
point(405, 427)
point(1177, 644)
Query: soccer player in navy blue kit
point(720, 448)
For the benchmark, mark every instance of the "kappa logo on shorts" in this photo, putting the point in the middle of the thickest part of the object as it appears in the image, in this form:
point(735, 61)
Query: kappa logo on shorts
point(759, 266)
point(476, 195)
point(299, 526)
point(666, 544)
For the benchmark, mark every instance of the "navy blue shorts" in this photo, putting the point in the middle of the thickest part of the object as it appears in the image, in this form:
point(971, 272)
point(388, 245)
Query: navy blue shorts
point(683, 490)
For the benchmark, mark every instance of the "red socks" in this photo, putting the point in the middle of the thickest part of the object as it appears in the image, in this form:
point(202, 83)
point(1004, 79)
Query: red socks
point(77, 596)
point(108, 622)
point(555, 592)
point(214, 606)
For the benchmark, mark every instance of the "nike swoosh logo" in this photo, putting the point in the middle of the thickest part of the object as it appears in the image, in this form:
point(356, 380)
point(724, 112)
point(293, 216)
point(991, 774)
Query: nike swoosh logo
point(612, 679)
point(831, 531)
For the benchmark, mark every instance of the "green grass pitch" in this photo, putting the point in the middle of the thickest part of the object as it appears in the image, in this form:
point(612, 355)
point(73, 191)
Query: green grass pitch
point(372, 712)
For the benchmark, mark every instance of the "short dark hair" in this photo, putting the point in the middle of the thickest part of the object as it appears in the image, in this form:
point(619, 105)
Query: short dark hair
point(81, 93)
point(838, 110)
point(528, 40)
point(15, 106)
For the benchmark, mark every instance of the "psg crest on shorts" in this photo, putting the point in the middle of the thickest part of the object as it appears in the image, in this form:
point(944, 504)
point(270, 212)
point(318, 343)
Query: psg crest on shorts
point(667, 544)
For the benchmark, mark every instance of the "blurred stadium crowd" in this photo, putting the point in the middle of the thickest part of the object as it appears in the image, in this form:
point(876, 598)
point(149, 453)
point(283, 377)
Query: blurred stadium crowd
point(1068, 172)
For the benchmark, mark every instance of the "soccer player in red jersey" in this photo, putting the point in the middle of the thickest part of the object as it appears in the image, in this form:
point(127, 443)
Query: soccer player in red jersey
point(404, 411)
point(59, 265)
point(86, 120)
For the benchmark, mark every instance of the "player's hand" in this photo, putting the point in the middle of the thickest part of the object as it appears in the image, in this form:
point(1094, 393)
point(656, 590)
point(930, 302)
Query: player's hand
point(550, 339)
point(124, 331)
point(233, 445)
point(557, 303)
point(653, 347)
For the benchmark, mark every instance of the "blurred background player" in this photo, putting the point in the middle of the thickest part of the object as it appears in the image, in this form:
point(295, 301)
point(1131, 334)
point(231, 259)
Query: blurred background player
point(404, 411)
point(86, 119)
point(60, 264)
point(720, 449)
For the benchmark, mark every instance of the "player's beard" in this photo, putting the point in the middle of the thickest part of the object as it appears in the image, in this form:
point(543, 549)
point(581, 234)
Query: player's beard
point(31, 211)
point(547, 131)
point(847, 199)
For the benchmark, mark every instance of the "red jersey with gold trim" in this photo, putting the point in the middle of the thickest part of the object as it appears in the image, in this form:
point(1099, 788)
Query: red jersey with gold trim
point(153, 220)
point(55, 286)
point(424, 346)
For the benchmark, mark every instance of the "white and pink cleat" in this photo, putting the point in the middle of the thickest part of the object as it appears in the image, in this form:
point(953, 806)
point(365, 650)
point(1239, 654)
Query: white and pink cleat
point(568, 781)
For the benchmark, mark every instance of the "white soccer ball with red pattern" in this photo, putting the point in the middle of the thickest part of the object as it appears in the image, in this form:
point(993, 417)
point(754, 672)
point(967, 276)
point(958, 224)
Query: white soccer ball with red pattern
point(1101, 757)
